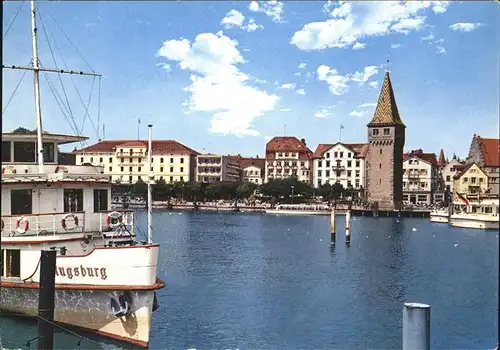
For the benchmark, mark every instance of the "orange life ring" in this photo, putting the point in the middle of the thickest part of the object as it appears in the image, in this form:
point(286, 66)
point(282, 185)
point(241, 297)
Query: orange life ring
point(22, 224)
point(69, 216)
point(114, 219)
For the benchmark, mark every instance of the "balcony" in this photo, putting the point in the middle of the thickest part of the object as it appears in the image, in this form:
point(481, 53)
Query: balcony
point(131, 154)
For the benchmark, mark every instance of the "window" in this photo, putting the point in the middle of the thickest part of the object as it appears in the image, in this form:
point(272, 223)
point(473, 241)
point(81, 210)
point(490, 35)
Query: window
point(327, 173)
point(91, 159)
point(171, 169)
point(286, 155)
point(139, 178)
point(24, 152)
point(182, 169)
point(328, 154)
point(101, 160)
point(161, 160)
point(110, 160)
point(73, 200)
point(182, 177)
point(121, 168)
point(121, 160)
point(357, 173)
point(130, 178)
point(319, 182)
point(341, 154)
point(380, 165)
point(349, 173)
point(151, 169)
point(357, 164)
point(380, 181)
point(472, 180)
point(21, 202)
point(13, 263)
point(139, 169)
point(387, 131)
point(1, 262)
point(447, 177)
point(81, 159)
point(130, 169)
point(375, 132)
point(161, 169)
point(349, 155)
point(320, 164)
point(302, 164)
point(327, 163)
point(356, 182)
point(171, 179)
point(349, 163)
point(319, 173)
point(481, 180)
point(182, 160)
point(139, 160)
point(100, 200)
point(5, 151)
point(110, 168)
point(171, 160)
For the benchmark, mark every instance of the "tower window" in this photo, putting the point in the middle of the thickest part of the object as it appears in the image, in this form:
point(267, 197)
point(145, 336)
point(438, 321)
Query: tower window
point(380, 151)
point(387, 131)
point(380, 165)
point(380, 181)
point(375, 132)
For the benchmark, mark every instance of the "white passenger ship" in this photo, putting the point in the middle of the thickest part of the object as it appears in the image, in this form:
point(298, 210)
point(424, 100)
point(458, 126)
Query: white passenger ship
point(105, 278)
point(440, 216)
point(479, 215)
point(300, 209)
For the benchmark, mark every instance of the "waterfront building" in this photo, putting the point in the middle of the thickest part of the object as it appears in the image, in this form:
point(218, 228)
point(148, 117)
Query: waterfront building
point(421, 179)
point(253, 169)
point(471, 183)
point(125, 160)
point(486, 154)
point(386, 139)
point(287, 156)
point(217, 168)
point(452, 168)
point(340, 162)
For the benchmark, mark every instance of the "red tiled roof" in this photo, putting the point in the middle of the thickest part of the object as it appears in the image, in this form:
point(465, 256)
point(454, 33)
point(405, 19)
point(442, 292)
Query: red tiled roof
point(427, 157)
point(257, 162)
point(360, 149)
point(159, 147)
point(490, 148)
point(287, 144)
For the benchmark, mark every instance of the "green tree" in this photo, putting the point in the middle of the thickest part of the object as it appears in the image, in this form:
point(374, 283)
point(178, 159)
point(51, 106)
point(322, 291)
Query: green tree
point(245, 190)
point(140, 189)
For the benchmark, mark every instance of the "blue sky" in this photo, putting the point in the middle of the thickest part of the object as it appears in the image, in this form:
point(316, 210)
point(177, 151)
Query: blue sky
point(227, 76)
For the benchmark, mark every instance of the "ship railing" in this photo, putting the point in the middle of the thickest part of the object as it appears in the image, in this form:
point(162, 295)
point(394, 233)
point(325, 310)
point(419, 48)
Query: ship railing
point(42, 224)
point(116, 221)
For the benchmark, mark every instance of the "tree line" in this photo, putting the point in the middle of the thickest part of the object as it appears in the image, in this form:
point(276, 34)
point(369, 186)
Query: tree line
point(289, 190)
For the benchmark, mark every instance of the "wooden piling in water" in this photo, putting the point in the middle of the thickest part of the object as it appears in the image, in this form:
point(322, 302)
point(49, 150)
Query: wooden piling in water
point(332, 227)
point(46, 299)
point(348, 227)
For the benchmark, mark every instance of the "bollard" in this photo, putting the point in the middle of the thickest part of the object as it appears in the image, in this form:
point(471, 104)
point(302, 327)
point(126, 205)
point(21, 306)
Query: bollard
point(348, 227)
point(332, 227)
point(416, 326)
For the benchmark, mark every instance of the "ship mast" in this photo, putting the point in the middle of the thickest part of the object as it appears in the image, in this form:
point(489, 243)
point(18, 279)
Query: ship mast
point(150, 176)
point(36, 74)
point(36, 79)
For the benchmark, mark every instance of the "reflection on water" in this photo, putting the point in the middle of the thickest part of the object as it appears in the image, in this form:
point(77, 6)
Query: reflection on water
point(264, 281)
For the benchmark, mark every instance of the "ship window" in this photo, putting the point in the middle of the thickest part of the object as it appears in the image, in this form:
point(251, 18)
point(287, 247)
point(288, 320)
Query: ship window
point(24, 152)
point(13, 263)
point(21, 202)
point(48, 152)
point(73, 200)
point(5, 151)
point(1, 262)
point(100, 200)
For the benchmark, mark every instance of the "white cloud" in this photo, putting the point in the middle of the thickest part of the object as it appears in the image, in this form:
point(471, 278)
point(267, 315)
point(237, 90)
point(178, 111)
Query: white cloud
point(464, 27)
point(297, 74)
point(217, 85)
point(324, 112)
point(235, 18)
point(288, 86)
point(440, 49)
point(301, 92)
point(358, 46)
point(165, 66)
point(365, 105)
point(439, 41)
point(285, 109)
point(395, 46)
point(362, 77)
point(352, 21)
point(440, 6)
point(428, 37)
point(336, 83)
point(357, 113)
point(373, 84)
point(302, 65)
point(273, 9)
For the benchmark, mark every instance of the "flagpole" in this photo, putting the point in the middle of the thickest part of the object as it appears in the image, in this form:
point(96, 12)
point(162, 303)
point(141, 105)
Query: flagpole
point(340, 136)
point(138, 127)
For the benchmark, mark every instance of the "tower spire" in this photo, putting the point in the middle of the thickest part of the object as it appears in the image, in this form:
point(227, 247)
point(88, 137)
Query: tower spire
point(386, 112)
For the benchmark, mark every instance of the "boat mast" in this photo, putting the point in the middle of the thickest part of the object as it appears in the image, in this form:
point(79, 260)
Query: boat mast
point(36, 75)
point(150, 175)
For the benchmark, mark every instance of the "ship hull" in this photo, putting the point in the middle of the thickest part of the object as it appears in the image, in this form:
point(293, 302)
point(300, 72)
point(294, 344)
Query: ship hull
point(89, 310)
point(470, 221)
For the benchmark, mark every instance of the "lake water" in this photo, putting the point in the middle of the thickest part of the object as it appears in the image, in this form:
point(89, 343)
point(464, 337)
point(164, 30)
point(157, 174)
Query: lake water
point(246, 281)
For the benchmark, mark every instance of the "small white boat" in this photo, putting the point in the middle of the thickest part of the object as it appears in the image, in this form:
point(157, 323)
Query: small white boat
point(440, 215)
point(478, 215)
point(300, 209)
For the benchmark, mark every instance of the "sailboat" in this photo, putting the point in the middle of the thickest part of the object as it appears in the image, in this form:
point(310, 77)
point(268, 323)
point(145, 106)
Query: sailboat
point(105, 277)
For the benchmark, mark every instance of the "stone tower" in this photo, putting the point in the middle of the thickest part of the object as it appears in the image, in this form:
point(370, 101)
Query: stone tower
point(386, 139)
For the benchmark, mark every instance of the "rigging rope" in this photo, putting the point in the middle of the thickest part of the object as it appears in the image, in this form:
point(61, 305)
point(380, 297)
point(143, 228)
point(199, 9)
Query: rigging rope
point(14, 92)
point(14, 19)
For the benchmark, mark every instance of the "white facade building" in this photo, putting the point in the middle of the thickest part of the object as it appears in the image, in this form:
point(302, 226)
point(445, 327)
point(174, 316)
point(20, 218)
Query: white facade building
point(217, 168)
point(420, 177)
point(340, 162)
point(253, 170)
point(288, 156)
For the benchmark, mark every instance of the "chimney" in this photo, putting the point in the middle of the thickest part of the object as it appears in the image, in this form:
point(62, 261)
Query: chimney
point(303, 141)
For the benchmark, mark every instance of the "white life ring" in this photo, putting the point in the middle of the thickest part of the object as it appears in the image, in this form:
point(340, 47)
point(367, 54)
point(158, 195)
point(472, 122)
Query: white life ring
point(75, 221)
point(114, 219)
point(22, 225)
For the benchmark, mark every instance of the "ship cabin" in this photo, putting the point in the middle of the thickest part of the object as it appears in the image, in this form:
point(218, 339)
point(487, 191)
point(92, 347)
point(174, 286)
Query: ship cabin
point(61, 199)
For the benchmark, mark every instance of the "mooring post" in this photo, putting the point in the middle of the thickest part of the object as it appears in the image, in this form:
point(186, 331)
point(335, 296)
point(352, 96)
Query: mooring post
point(348, 226)
point(416, 326)
point(332, 226)
point(46, 299)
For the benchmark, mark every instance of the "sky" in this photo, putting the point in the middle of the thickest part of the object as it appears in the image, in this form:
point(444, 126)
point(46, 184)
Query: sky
point(225, 77)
